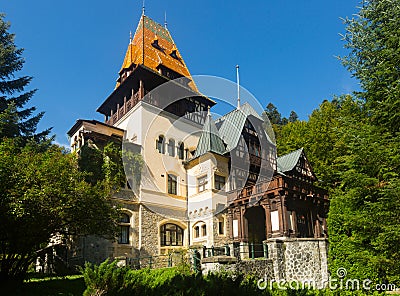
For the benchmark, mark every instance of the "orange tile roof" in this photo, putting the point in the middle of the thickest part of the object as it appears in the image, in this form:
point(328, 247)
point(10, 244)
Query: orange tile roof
point(154, 57)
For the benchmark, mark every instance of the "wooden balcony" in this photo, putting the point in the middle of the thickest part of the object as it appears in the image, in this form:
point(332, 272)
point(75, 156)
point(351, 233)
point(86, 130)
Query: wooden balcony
point(126, 107)
point(278, 185)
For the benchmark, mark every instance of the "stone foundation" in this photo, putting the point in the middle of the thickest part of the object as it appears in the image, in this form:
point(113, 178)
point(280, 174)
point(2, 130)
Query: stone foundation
point(301, 259)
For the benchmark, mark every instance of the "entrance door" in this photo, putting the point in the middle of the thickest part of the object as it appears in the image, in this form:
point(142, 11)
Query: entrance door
point(255, 217)
point(303, 224)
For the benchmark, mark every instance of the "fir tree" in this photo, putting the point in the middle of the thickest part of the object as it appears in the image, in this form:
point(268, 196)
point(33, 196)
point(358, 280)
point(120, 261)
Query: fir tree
point(273, 114)
point(293, 116)
point(15, 119)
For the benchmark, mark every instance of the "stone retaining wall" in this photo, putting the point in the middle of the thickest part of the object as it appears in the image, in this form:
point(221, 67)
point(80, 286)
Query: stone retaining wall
point(302, 260)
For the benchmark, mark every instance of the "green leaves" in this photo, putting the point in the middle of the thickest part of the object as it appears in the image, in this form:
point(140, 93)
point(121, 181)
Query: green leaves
point(373, 40)
point(44, 194)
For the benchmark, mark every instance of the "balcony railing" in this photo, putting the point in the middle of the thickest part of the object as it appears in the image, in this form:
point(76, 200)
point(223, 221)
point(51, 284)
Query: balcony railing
point(277, 183)
point(126, 107)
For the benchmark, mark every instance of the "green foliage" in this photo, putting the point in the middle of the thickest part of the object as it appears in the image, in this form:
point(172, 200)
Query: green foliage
point(90, 162)
point(373, 39)
point(15, 120)
point(363, 221)
point(112, 166)
point(42, 193)
point(323, 136)
point(48, 286)
point(293, 117)
point(275, 118)
point(273, 114)
point(358, 162)
point(108, 279)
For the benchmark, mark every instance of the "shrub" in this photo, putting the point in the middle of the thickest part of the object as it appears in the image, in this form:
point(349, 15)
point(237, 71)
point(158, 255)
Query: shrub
point(109, 279)
point(105, 279)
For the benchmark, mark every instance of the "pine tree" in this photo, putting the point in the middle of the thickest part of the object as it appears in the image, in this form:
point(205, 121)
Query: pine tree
point(293, 116)
point(15, 119)
point(273, 114)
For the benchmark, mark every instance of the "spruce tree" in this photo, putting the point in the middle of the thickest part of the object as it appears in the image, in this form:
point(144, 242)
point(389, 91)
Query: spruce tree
point(16, 120)
point(273, 114)
point(293, 116)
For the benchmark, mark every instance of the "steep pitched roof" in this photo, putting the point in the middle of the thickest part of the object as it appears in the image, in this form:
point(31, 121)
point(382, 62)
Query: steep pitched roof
point(210, 140)
point(287, 162)
point(231, 124)
point(142, 50)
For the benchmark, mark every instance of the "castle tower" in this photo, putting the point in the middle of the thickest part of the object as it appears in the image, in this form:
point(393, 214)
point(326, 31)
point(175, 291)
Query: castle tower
point(152, 59)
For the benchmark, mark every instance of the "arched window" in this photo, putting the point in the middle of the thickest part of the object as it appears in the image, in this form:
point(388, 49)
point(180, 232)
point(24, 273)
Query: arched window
point(171, 235)
point(181, 151)
point(200, 230)
point(172, 184)
point(124, 225)
point(160, 144)
point(171, 147)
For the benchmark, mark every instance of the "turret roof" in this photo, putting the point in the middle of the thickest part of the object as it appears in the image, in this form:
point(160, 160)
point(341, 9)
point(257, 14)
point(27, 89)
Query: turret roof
point(210, 140)
point(152, 46)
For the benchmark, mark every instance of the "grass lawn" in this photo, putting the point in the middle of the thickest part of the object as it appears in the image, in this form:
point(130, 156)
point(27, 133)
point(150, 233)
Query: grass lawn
point(69, 285)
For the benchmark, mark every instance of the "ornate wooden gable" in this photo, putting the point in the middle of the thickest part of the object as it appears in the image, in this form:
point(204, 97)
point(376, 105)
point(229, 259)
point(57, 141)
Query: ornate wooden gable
point(296, 164)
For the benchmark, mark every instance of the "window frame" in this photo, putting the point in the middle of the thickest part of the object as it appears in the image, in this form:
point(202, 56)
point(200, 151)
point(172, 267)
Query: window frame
point(124, 229)
point(201, 187)
point(171, 147)
point(172, 184)
point(204, 230)
point(196, 231)
point(172, 236)
point(181, 151)
point(219, 182)
point(160, 145)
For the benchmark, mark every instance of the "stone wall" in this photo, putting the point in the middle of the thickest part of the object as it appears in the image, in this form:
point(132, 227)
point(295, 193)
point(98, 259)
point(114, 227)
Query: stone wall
point(149, 232)
point(150, 223)
point(302, 260)
point(89, 248)
point(261, 268)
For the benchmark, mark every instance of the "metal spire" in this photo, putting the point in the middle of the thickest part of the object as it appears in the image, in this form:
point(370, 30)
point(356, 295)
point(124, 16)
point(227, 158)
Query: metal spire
point(130, 36)
point(143, 8)
point(238, 87)
point(165, 20)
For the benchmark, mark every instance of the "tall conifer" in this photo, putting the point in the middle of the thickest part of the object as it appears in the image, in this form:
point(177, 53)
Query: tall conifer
point(16, 120)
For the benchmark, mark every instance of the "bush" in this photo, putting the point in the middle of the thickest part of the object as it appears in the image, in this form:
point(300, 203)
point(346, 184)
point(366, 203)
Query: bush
point(109, 279)
point(105, 279)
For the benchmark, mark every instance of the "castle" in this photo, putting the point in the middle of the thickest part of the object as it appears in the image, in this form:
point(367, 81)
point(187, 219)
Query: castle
point(205, 184)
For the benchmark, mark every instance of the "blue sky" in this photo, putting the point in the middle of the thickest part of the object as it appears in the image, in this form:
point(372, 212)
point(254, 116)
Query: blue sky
point(286, 49)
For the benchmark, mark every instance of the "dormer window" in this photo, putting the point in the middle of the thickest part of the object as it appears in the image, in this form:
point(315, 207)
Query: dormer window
point(156, 45)
point(174, 54)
